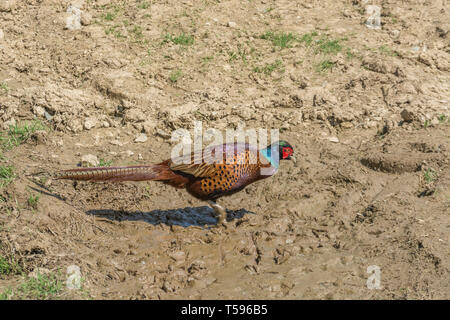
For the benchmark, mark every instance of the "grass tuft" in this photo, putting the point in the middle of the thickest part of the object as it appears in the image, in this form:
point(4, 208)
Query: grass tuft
point(6, 175)
point(9, 267)
point(268, 68)
point(39, 288)
point(442, 118)
point(104, 163)
point(4, 87)
point(182, 39)
point(308, 38)
point(328, 46)
point(387, 51)
point(109, 16)
point(324, 65)
point(280, 39)
point(175, 76)
point(143, 4)
point(18, 134)
point(33, 201)
point(429, 175)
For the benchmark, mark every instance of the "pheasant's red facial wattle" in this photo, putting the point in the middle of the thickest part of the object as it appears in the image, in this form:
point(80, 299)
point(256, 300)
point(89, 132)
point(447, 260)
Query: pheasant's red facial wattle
point(287, 152)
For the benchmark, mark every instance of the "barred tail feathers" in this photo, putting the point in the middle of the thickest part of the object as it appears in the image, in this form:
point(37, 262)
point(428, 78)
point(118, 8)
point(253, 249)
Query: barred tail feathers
point(115, 174)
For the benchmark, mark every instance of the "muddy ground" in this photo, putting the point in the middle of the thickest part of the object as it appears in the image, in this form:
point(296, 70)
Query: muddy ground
point(366, 111)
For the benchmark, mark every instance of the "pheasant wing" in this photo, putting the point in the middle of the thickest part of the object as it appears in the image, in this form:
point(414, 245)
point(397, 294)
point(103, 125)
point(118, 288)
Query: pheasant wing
point(201, 163)
point(204, 163)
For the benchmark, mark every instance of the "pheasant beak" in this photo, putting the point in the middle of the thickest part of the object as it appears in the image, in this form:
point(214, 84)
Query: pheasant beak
point(293, 159)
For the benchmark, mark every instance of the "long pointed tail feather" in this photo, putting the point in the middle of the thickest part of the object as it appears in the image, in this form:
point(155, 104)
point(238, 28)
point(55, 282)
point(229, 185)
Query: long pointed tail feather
point(113, 174)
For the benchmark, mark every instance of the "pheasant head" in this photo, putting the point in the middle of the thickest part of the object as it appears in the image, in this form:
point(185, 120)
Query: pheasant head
point(280, 150)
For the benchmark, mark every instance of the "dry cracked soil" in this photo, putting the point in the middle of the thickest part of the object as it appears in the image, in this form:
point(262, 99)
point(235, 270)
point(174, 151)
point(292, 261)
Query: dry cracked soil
point(365, 109)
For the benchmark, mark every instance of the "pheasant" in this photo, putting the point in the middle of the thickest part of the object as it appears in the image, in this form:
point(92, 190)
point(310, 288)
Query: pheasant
point(207, 175)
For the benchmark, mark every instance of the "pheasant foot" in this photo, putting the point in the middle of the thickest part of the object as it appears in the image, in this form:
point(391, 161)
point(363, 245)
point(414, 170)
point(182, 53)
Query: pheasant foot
point(220, 212)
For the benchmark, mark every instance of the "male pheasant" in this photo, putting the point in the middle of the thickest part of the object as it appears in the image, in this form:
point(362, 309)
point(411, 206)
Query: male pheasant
point(207, 175)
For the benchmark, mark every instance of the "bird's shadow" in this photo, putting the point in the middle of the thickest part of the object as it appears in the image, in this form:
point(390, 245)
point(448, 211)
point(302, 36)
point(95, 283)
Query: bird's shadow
point(185, 217)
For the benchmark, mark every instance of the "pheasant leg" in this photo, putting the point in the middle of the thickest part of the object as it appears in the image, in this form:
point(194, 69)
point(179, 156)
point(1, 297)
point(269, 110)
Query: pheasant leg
point(221, 213)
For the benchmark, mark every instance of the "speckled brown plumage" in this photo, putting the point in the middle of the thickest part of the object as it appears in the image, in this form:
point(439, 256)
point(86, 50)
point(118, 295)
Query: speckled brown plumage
point(228, 178)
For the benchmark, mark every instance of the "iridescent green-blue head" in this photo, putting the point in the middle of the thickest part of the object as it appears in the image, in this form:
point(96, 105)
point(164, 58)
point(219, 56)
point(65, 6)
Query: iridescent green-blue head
point(280, 150)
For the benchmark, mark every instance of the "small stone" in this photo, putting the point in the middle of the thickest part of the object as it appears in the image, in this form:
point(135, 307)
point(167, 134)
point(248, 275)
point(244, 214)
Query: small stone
point(231, 24)
point(407, 115)
point(74, 279)
point(426, 58)
point(244, 113)
point(89, 160)
point(90, 123)
point(210, 280)
point(75, 125)
point(141, 138)
point(373, 17)
point(86, 19)
point(2, 35)
point(395, 33)
point(346, 125)
point(73, 20)
point(129, 153)
point(333, 139)
point(371, 124)
point(39, 111)
point(48, 116)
